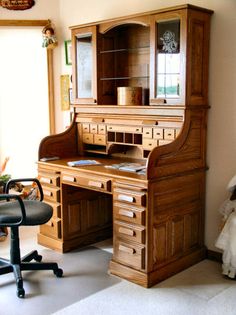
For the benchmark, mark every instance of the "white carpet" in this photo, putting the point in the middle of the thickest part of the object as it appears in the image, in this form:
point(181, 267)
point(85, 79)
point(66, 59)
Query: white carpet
point(199, 290)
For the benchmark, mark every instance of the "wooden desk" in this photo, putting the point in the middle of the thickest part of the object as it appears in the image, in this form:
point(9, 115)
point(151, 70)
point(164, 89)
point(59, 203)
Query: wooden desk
point(157, 219)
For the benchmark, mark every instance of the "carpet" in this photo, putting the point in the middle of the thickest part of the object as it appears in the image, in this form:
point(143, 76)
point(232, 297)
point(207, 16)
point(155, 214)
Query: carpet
point(85, 273)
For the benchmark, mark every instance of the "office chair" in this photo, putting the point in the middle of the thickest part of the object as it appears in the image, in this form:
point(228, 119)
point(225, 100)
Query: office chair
point(16, 212)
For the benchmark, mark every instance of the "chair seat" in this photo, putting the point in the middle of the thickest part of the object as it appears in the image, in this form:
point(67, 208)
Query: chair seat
point(37, 213)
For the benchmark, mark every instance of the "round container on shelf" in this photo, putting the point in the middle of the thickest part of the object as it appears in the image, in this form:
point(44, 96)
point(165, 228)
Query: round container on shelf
point(129, 95)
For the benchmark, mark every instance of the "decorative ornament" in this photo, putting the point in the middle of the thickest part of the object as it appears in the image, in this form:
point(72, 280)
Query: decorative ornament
point(169, 43)
point(17, 4)
point(49, 38)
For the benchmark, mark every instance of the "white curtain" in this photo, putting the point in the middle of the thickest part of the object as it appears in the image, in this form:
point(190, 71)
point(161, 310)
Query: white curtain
point(24, 117)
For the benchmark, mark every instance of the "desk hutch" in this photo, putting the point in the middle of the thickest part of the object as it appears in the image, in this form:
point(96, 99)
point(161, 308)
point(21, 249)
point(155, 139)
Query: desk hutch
point(156, 218)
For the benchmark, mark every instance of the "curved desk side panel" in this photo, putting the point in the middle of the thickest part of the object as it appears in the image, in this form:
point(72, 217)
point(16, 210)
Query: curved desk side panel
point(63, 145)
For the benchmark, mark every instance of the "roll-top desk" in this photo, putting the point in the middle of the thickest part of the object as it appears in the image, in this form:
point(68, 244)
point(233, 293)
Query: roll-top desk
point(156, 217)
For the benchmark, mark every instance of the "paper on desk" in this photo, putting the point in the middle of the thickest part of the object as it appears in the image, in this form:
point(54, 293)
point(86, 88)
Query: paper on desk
point(83, 162)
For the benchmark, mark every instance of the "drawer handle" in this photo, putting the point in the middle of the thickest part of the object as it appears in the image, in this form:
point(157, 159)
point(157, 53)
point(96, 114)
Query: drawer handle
point(69, 178)
point(126, 249)
point(126, 213)
point(126, 198)
point(137, 129)
point(95, 184)
point(45, 180)
point(47, 193)
point(126, 231)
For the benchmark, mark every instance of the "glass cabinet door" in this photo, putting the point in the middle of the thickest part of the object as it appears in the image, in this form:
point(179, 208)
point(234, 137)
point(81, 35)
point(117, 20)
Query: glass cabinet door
point(168, 69)
point(84, 65)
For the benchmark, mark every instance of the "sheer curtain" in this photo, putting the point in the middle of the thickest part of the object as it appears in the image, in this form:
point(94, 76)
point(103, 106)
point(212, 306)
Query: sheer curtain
point(24, 117)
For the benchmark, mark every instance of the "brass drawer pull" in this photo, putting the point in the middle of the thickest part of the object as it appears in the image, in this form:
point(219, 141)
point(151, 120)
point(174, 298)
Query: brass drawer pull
point(126, 198)
point(95, 184)
point(126, 231)
point(69, 178)
point(46, 180)
point(126, 213)
point(47, 193)
point(126, 249)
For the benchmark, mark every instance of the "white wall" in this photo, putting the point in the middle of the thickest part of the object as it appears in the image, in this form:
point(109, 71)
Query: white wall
point(222, 91)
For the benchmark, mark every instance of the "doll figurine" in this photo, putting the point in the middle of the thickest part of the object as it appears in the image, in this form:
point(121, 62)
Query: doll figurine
point(227, 238)
point(49, 38)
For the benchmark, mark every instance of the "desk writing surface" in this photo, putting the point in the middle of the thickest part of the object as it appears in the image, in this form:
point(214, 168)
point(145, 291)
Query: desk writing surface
point(99, 169)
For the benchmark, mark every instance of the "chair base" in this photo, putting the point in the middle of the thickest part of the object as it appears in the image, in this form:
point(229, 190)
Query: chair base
point(25, 264)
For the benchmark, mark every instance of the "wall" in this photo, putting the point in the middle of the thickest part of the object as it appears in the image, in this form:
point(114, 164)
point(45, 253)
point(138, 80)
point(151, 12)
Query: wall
point(222, 91)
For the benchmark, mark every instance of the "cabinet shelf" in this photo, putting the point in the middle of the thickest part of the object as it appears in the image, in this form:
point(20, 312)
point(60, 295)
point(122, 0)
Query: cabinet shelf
point(138, 49)
point(124, 78)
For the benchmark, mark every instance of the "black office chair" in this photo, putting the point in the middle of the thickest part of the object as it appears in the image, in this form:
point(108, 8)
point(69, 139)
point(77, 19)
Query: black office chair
point(15, 212)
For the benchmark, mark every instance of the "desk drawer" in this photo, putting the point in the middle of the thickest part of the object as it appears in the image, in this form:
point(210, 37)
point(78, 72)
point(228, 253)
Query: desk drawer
point(83, 180)
point(86, 128)
point(149, 144)
point(124, 128)
point(169, 134)
point(51, 193)
point(52, 228)
point(100, 139)
point(50, 179)
point(102, 129)
point(129, 254)
point(147, 132)
point(93, 128)
point(88, 138)
point(129, 232)
point(158, 133)
point(129, 213)
point(130, 197)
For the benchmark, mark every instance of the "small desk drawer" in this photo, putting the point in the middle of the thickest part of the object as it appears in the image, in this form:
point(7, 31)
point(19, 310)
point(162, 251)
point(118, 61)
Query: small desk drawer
point(50, 179)
point(158, 133)
point(131, 197)
point(51, 193)
point(129, 232)
point(147, 132)
point(56, 209)
point(52, 228)
point(100, 139)
point(129, 254)
point(93, 128)
point(129, 213)
point(88, 138)
point(86, 128)
point(169, 134)
point(149, 144)
point(102, 129)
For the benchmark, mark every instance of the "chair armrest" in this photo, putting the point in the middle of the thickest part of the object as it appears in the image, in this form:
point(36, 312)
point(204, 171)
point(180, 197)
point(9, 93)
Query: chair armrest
point(7, 197)
point(35, 180)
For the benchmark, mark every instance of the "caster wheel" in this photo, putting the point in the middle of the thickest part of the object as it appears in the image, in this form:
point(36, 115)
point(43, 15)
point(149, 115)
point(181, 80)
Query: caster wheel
point(38, 258)
point(58, 272)
point(20, 293)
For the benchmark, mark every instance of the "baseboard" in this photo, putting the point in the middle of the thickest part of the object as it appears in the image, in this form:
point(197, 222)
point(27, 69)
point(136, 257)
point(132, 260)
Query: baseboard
point(212, 255)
